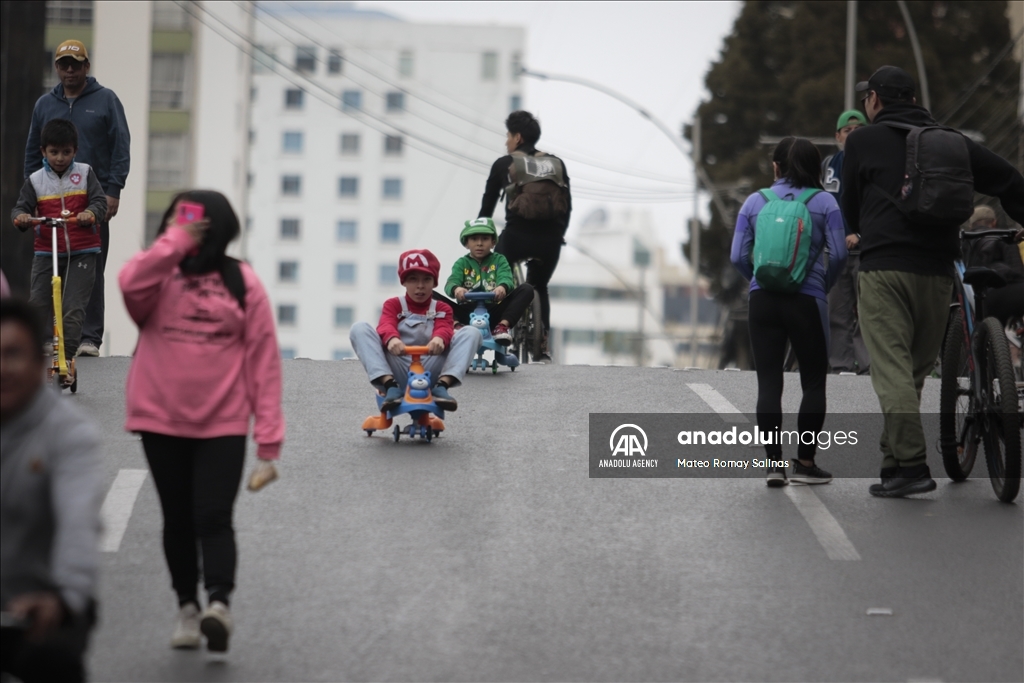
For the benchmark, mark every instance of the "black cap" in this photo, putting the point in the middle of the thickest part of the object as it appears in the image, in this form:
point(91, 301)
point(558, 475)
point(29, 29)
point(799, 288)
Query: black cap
point(889, 81)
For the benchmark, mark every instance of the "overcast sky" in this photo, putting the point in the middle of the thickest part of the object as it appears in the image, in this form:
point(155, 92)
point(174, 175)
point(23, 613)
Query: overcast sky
point(655, 53)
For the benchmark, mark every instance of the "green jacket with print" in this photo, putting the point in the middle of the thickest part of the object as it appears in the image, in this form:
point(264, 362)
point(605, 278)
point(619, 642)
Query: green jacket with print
point(480, 277)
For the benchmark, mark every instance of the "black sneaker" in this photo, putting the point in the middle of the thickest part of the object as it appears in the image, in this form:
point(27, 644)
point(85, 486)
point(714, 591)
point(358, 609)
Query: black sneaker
point(809, 474)
point(776, 477)
point(904, 481)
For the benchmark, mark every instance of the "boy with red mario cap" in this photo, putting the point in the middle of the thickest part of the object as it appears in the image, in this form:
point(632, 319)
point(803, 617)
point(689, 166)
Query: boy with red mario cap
point(415, 319)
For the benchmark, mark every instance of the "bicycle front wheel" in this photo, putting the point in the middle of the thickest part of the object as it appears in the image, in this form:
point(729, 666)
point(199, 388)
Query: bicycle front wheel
point(958, 428)
point(1002, 436)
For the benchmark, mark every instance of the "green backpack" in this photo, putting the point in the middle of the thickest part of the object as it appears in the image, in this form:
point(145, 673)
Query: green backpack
point(782, 242)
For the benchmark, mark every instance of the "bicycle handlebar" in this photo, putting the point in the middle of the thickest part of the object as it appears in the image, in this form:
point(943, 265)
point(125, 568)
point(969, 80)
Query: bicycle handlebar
point(1006, 234)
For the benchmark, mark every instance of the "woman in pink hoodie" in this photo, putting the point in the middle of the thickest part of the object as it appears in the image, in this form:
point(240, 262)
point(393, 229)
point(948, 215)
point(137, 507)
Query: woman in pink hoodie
point(206, 362)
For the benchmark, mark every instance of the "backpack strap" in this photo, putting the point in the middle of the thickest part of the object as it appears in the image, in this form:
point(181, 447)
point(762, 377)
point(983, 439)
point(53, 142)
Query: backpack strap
point(807, 195)
point(768, 195)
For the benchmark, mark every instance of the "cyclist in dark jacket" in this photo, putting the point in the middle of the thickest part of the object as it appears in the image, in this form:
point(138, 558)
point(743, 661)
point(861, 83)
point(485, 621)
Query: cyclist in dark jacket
point(906, 270)
point(522, 239)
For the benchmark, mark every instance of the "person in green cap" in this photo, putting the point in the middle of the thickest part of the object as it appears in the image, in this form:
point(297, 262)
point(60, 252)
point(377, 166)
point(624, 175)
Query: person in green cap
point(847, 352)
point(482, 270)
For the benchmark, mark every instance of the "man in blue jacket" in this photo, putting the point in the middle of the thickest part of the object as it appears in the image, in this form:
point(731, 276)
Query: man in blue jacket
point(103, 143)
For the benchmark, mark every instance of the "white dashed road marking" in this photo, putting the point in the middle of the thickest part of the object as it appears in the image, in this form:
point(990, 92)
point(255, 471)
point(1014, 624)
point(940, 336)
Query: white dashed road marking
point(825, 527)
point(117, 507)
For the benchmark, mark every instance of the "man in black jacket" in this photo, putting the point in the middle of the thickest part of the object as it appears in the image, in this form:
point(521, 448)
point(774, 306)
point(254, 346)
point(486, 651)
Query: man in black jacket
point(539, 240)
point(906, 270)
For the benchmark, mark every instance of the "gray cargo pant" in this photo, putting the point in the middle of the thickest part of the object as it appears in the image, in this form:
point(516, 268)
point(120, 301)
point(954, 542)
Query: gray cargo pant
point(378, 362)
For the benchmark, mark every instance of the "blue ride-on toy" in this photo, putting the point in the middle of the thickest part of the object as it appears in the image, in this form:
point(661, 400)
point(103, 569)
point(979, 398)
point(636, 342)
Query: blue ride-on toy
point(418, 403)
point(481, 320)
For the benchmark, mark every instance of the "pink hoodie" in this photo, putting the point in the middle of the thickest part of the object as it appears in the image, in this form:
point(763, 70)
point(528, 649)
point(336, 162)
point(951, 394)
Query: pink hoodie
point(202, 366)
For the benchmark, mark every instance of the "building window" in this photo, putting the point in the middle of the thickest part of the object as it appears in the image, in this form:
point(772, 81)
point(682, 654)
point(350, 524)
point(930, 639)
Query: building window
point(291, 185)
point(168, 76)
point(393, 145)
point(392, 188)
point(293, 98)
point(305, 58)
point(350, 143)
point(291, 142)
point(405, 63)
point(288, 353)
point(69, 13)
point(515, 103)
point(290, 228)
point(168, 160)
point(396, 101)
point(288, 271)
point(334, 62)
point(287, 314)
point(169, 16)
point(348, 187)
point(489, 66)
point(263, 59)
point(342, 354)
point(517, 65)
point(390, 232)
point(388, 274)
point(352, 99)
point(344, 273)
point(343, 316)
point(346, 231)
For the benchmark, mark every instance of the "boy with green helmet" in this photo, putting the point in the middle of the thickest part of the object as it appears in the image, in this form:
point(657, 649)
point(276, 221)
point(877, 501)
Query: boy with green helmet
point(482, 270)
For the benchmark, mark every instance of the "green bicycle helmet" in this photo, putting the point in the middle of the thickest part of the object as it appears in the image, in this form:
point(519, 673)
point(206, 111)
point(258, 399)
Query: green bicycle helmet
point(480, 226)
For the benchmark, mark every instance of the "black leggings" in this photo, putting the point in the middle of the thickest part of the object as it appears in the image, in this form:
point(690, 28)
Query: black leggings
point(510, 308)
point(775, 318)
point(197, 480)
point(543, 252)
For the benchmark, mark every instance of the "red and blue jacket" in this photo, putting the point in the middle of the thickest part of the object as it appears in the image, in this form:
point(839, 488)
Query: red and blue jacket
point(47, 195)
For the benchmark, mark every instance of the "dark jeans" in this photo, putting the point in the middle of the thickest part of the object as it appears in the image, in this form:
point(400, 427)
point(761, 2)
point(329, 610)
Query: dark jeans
point(775, 318)
point(197, 480)
point(543, 252)
point(848, 352)
point(77, 283)
point(61, 657)
point(510, 308)
point(93, 330)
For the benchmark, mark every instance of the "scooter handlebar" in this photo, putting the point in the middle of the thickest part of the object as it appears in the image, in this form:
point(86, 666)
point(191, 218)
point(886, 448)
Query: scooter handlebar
point(416, 350)
point(479, 296)
point(53, 221)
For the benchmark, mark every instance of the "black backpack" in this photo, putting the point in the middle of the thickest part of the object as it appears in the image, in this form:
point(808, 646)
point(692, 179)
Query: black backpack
point(938, 183)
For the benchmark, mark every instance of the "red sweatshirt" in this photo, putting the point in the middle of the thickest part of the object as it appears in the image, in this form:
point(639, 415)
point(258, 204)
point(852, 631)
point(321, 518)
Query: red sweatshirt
point(203, 366)
point(387, 328)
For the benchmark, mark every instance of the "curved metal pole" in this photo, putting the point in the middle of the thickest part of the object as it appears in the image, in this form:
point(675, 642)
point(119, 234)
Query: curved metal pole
point(921, 75)
point(677, 141)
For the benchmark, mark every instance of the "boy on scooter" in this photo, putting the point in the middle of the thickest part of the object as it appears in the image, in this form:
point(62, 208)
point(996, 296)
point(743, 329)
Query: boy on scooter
point(415, 319)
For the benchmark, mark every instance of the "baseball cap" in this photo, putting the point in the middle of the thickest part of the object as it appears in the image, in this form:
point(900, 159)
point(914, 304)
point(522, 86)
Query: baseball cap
point(844, 118)
point(71, 48)
point(889, 81)
point(481, 226)
point(418, 261)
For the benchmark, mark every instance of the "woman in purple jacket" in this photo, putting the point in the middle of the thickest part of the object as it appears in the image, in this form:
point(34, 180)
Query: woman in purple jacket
point(800, 318)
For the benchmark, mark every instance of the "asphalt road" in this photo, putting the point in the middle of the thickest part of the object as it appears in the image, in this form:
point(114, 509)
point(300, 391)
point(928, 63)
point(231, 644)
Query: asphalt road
point(490, 554)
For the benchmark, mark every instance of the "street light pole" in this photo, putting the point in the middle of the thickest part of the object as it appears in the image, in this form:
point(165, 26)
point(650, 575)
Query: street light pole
point(695, 136)
point(851, 51)
point(926, 100)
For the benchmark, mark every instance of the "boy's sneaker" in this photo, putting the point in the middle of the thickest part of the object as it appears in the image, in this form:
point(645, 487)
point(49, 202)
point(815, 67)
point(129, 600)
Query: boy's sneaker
point(905, 481)
point(216, 625)
point(502, 335)
point(88, 349)
point(392, 398)
point(776, 477)
point(809, 474)
point(69, 379)
point(186, 629)
point(443, 399)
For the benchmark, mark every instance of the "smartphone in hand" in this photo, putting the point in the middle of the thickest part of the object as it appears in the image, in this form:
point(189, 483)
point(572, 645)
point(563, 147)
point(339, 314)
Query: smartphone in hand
point(189, 212)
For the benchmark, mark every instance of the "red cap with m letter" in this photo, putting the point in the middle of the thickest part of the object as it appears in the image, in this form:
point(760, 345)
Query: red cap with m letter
point(418, 260)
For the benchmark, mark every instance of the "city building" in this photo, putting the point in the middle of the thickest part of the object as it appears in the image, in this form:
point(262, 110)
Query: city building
point(369, 136)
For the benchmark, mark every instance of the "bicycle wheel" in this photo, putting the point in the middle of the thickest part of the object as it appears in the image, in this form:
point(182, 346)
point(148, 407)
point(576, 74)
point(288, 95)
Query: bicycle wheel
point(1002, 436)
point(536, 329)
point(958, 432)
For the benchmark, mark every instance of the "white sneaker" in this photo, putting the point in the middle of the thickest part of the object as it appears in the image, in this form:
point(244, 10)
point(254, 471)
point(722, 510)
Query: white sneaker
point(186, 629)
point(216, 625)
point(88, 349)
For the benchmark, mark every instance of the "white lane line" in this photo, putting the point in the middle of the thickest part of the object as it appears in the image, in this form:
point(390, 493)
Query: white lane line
point(831, 536)
point(117, 507)
point(720, 404)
